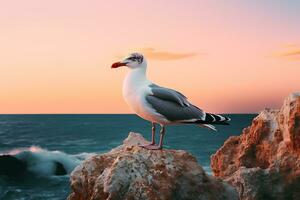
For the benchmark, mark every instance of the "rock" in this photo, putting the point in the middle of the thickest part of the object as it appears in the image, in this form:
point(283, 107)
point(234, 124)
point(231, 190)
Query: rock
point(264, 161)
point(11, 166)
point(130, 172)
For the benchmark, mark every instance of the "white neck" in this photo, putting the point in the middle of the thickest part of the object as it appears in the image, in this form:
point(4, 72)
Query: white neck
point(137, 75)
point(134, 81)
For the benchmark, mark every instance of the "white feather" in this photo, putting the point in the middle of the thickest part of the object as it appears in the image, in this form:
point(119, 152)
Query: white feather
point(135, 89)
point(209, 126)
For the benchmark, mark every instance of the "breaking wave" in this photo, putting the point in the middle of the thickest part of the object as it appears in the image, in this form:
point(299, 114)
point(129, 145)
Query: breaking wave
point(39, 161)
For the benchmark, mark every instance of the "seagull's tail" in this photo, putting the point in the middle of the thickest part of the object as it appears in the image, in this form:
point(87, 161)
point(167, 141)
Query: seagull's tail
point(214, 119)
point(211, 119)
point(209, 126)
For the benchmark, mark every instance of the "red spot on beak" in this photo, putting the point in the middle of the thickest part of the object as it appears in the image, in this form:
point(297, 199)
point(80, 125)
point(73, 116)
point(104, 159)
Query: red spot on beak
point(118, 64)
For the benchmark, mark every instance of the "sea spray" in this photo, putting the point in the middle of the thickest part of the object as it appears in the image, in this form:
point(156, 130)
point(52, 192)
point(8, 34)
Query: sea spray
point(42, 162)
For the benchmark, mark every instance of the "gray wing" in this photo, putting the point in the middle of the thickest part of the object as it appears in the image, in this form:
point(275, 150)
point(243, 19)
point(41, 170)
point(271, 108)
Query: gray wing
point(169, 95)
point(173, 105)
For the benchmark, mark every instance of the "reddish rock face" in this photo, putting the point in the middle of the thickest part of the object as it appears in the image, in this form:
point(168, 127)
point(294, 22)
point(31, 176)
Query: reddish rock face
point(134, 173)
point(268, 150)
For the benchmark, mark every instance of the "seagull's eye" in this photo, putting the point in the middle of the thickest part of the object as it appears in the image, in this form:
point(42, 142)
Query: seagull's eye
point(132, 58)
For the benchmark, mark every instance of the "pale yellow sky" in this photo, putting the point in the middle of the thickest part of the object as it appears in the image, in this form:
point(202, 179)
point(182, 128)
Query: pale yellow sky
point(227, 57)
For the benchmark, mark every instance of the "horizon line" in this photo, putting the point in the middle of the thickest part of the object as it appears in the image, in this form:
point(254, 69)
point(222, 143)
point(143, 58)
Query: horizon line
point(105, 113)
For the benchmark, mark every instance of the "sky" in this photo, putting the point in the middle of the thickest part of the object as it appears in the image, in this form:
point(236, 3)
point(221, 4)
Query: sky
point(226, 56)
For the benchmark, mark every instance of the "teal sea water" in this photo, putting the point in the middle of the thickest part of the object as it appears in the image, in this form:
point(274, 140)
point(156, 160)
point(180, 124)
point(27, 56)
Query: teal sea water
point(41, 140)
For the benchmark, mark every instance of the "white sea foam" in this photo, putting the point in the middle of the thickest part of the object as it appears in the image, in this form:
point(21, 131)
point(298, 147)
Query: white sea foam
point(43, 162)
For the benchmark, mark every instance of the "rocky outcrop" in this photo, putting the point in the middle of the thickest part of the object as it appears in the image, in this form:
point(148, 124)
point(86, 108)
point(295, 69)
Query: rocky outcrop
point(130, 172)
point(264, 161)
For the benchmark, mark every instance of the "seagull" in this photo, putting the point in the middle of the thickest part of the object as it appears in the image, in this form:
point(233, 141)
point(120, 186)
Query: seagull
point(160, 105)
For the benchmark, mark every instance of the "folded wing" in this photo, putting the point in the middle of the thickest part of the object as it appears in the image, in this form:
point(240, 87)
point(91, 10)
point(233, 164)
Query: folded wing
point(173, 105)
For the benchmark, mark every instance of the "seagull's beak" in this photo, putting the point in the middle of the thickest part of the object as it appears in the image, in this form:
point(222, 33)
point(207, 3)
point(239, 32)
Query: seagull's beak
point(118, 64)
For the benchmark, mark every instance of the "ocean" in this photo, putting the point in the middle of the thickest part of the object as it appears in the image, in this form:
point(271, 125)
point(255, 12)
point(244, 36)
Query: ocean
point(43, 140)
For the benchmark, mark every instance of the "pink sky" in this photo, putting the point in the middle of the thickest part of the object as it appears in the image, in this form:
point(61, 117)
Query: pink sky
point(225, 56)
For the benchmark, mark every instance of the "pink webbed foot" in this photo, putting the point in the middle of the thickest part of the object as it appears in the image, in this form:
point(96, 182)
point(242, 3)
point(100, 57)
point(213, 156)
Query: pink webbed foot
point(152, 147)
point(147, 144)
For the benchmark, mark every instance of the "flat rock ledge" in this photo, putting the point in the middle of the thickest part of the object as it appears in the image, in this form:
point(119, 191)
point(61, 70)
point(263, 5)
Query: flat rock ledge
point(130, 172)
point(264, 161)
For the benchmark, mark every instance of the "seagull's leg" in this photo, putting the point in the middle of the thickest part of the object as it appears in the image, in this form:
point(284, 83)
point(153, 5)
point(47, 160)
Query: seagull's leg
point(152, 136)
point(162, 134)
point(160, 145)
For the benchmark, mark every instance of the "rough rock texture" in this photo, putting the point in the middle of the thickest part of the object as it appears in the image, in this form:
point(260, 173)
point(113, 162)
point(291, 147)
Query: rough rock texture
point(130, 172)
point(264, 161)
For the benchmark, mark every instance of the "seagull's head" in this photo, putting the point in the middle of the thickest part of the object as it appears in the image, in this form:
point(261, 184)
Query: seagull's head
point(133, 61)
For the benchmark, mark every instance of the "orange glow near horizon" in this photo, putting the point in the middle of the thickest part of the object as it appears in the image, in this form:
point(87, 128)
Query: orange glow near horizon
point(226, 57)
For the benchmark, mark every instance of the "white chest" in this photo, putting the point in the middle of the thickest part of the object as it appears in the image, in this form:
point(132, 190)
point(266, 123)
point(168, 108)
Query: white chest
point(134, 92)
point(135, 89)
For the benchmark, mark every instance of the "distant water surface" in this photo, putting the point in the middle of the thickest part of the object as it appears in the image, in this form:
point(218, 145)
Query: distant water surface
point(69, 139)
